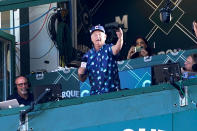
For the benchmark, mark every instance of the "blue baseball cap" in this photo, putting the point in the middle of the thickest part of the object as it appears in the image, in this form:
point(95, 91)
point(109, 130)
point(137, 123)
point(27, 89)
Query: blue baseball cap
point(97, 27)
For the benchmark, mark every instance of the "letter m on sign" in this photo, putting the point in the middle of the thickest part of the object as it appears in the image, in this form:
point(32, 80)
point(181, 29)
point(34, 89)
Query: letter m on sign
point(124, 21)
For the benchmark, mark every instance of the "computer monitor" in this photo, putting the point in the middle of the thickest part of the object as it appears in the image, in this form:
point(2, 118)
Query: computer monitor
point(55, 92)
point(165, 72)
point(9, 104)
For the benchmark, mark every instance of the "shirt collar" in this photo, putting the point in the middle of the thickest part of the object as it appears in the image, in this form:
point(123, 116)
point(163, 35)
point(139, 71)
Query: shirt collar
point(99, 49)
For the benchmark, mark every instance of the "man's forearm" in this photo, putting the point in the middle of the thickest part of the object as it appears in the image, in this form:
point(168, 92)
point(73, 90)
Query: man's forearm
point(116, 48)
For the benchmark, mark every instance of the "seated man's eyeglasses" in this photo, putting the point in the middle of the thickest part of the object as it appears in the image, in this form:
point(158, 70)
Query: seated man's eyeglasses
point(21, 84)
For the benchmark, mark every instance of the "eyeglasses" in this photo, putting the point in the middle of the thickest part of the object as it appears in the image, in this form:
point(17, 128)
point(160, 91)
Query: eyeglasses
point(21, 84)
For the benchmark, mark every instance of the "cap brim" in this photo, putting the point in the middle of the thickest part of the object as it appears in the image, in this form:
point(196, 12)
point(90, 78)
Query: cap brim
point(97, 30)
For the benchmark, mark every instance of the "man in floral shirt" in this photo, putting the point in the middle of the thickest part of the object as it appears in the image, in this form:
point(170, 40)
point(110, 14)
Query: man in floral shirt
point(100, 62)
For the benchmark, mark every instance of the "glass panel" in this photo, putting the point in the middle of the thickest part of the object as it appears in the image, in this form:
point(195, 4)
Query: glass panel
point(1, 71)
point(4, 68)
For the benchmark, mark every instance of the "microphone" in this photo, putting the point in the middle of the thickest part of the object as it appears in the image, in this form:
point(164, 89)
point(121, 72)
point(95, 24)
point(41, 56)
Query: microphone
point(31, 108)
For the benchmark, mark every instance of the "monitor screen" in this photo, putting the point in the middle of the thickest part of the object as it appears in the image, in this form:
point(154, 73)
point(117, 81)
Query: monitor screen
point(164, 72)
point(55, 92)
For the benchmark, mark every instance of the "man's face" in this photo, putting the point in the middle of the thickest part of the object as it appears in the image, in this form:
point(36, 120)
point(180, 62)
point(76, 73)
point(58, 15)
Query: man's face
point(22, 85)
point(188, 63)
point(98, 38)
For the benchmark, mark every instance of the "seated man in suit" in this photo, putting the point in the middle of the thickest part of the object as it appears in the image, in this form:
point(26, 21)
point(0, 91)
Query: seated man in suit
point(23, 96)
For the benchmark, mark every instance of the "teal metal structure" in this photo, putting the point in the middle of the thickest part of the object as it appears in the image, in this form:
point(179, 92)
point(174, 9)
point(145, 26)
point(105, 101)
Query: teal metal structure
point(153, 108)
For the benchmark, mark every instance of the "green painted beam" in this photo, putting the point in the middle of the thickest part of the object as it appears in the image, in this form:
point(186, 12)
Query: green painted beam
point(7, 36)
point(16, 4)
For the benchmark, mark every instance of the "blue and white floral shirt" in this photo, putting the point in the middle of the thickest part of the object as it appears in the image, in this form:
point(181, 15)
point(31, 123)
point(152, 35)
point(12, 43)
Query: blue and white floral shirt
point(102, 70)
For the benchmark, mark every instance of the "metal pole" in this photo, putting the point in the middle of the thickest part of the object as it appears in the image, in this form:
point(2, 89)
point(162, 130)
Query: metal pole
point(74, 22)
point(4, 71)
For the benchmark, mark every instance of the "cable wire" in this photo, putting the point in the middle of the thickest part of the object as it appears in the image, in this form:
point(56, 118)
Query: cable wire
point(25, 42)
point(51, 27)
point(20, 26)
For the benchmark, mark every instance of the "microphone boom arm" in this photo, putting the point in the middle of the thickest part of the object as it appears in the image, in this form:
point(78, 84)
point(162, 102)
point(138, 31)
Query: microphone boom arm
point(31, 108)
